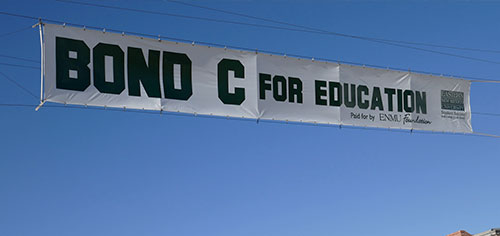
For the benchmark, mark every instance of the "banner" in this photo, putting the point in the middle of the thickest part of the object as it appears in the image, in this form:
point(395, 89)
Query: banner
point(97, 68)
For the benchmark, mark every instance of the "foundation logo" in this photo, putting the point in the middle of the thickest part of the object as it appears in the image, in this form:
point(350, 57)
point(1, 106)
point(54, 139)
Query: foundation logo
point(452, 100)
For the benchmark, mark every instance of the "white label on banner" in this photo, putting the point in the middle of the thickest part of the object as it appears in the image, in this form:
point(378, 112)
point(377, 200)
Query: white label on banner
point(87, 67)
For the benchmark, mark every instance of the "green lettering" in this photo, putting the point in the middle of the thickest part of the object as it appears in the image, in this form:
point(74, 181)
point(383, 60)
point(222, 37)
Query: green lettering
point(390, 94)
point(295, 89)
point(263, 86)
point(409, 103)
point(319, 86)
point(400, 100)
point(141, 73)
point(99, 53)
point(223, 67)
point(377, 99)
point(335, 89)
point(279, 81)
point(363, 104)
point(65, 64)
point(169, 60)
point(421, 102)
point(352, 102)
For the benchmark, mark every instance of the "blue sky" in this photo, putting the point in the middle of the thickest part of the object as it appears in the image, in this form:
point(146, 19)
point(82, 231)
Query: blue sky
point(89, 172)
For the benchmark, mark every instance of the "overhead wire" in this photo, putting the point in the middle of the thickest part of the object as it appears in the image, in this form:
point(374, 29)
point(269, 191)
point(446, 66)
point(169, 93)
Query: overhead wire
point(486, 114)
point(247, 119)
point(21, 66)
point(19, 58)
point(18, 85)
point(19, 15)
point(326, 31)
point(15, 57)
point(473, 79)
point(179, 15)
point(15, 31)
point(312, 30)
point(32, 67)
point(252, 120)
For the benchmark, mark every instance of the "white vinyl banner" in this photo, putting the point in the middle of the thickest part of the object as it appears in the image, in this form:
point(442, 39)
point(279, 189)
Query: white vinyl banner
point(97, 68)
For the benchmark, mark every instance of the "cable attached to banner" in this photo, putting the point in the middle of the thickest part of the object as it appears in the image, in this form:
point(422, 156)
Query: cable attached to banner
point(258, 119)
point(236, 115)
point(321, 30)
point(209, 44)
point(21, 66)
point(300, 29)
point(486, 135)
point(472, 79)
point(485, 81)
point(19, 58)
point(18, 85)
point(477, 134)
point(15, 31)
point(315, 76)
